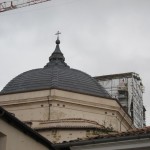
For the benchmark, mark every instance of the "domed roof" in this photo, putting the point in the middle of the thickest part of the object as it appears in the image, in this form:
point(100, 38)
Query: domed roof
point(55, 75)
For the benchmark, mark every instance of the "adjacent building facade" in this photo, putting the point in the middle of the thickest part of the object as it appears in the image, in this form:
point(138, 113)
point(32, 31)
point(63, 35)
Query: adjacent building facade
point(15, 135)
point(128, 89)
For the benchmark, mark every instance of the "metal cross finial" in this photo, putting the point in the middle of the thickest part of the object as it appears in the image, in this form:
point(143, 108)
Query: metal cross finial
point(58, 34)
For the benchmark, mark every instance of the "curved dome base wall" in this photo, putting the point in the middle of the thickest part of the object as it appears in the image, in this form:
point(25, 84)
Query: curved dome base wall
point(56, 104)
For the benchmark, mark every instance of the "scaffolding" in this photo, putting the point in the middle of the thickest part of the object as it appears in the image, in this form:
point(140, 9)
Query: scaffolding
point(128, 89)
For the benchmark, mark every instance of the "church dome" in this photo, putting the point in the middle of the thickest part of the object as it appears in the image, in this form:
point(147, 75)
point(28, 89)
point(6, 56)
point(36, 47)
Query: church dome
point(55, 75)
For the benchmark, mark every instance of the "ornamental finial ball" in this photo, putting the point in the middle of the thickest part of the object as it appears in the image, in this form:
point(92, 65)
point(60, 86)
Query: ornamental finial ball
point(57, 41)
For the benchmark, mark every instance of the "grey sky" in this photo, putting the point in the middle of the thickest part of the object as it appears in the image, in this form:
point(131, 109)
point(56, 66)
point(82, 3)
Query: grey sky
point(98, 37)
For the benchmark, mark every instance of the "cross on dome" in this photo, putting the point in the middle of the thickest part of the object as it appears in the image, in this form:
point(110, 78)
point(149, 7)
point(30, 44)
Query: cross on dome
point(57, 41)
point(57, 58)
point(58, 34)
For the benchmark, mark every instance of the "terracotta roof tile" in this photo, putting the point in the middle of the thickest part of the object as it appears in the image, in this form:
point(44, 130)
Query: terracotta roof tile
point(66, 123)
point(137, 132)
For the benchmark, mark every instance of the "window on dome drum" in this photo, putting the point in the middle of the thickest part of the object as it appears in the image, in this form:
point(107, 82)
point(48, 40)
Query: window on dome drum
point(2, 141)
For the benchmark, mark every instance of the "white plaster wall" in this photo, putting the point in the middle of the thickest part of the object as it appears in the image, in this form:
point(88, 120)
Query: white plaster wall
point(58, 104)
point(16, 140)
point(78, 111)
point(58, 136)
point(30, 111)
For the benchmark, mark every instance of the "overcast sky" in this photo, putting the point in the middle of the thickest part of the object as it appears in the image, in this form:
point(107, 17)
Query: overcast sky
point(98, 37)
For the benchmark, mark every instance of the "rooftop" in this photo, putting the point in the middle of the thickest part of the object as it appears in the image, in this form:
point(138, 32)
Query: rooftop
point(141, 133)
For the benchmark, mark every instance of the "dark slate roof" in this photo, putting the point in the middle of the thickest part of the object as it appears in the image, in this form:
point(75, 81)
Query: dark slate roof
point(56, 75)
point(13, 121)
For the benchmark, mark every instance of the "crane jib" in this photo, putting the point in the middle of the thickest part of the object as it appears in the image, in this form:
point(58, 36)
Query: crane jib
point(14, 4)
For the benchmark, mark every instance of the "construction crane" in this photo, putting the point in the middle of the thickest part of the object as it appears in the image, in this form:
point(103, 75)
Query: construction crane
point(14, 4)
